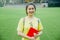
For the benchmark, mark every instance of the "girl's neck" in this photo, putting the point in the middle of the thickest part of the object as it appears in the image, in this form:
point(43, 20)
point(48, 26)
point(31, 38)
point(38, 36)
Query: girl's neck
point(30, 16)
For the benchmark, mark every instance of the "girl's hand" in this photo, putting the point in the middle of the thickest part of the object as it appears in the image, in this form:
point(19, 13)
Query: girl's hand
point(39, 34)
point(36, 35)
point(32, 38)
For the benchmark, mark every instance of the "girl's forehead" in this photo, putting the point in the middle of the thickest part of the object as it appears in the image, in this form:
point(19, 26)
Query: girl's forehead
point(30, 6)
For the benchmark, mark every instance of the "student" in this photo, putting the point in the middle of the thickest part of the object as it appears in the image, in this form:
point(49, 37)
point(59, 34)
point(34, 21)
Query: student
point(28, 21)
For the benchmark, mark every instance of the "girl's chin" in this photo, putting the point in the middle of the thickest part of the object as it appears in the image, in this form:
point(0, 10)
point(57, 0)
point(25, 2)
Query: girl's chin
point(30, 13)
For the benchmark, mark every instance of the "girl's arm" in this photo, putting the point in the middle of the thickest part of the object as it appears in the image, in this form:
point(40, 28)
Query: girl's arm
point(37, 35)
point(20, 29)
point(24, 36)
point(40, 27)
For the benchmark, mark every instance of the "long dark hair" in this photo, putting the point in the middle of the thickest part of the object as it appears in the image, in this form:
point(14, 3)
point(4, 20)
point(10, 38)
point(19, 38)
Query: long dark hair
point(28, 5)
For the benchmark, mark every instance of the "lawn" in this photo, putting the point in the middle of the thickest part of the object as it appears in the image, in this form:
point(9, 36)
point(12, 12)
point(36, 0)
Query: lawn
point(9, 18)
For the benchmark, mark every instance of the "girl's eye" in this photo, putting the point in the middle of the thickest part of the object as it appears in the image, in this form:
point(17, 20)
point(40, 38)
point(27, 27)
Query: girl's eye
point(32, 8)
point(29, 8)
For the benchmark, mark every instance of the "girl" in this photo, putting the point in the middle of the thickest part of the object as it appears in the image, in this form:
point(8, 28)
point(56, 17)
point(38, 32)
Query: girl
point(28, 21)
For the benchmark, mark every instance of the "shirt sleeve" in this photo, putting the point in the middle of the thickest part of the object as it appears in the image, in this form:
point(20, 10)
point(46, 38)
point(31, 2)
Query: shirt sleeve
point(40, 27)
point(20, 25)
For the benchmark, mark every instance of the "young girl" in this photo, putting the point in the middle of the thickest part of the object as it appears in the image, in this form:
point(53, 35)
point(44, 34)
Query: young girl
point(29, 21)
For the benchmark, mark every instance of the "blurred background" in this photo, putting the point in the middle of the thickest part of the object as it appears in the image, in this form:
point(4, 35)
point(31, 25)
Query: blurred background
point(45, 3)
point(12, 10)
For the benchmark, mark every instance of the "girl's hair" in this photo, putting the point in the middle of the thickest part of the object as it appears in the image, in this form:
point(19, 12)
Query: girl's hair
point(28, 5)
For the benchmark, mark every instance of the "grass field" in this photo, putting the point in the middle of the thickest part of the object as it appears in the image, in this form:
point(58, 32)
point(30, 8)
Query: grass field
point(50, 18)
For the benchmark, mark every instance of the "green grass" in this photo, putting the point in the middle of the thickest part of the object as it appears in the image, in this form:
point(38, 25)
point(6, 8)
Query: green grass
point(9, 18)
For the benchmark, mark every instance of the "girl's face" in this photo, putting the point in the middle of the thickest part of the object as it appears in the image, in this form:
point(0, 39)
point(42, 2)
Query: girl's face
point(30, 10)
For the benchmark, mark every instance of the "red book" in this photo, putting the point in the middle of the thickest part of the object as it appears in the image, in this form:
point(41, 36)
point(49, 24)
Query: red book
point(31, 32)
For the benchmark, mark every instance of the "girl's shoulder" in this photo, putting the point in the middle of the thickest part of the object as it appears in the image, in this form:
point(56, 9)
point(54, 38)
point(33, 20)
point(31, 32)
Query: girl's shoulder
point(37, 18)
point(21, 19)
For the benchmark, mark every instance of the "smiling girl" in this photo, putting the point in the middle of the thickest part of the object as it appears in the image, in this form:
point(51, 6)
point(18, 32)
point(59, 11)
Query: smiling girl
point(28, 21)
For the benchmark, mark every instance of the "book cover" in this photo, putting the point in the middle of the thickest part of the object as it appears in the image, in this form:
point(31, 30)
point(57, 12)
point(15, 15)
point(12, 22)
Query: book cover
point(32, 31)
